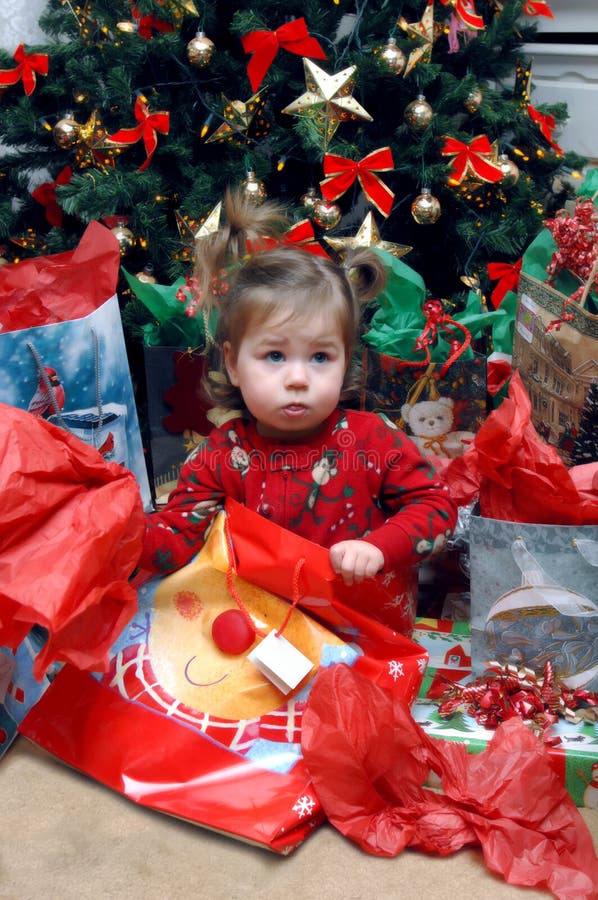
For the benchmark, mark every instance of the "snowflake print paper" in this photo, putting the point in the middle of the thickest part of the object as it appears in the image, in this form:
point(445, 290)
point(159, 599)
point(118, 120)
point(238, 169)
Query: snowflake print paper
point(304, 806)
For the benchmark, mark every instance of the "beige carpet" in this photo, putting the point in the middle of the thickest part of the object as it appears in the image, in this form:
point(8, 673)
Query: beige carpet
point(65, 837)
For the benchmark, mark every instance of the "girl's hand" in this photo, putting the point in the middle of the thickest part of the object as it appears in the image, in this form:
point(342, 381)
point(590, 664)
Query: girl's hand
point(355, 560)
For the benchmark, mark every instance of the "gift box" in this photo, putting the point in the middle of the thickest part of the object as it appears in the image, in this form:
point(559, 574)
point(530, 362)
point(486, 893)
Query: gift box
point(574, 757)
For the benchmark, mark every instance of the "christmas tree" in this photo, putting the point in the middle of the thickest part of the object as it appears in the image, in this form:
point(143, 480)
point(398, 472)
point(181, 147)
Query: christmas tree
point(409, 123)
point(585, 448)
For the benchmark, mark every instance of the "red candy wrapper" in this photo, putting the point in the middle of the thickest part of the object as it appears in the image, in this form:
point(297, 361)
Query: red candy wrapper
point(370, 762)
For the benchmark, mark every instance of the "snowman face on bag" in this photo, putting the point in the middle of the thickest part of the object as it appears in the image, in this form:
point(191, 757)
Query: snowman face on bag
point(186, 659)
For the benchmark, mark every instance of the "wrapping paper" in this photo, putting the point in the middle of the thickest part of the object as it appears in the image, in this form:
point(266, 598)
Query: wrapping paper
point(370, 763)
point(71, 528)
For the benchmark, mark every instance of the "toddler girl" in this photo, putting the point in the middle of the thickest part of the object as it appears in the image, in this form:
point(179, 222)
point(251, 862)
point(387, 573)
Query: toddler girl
point(347, 480)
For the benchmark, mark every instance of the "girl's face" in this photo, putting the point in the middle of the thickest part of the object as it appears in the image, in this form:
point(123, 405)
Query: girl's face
point(290, 373)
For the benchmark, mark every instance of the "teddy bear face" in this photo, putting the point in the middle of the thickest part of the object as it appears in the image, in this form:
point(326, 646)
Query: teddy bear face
point(430, 418)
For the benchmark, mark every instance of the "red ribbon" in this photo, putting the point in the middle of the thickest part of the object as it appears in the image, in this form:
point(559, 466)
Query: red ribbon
point(28, 65)
point(465, 10)
point(301, 235)
point(546, 124)
point(471, 157)
point(146, 25)
point(293, 36)
point(507, 275)
point(506, 691)
point(46, 195)
point(342, 173)
point(149, 124)
point(537, 8)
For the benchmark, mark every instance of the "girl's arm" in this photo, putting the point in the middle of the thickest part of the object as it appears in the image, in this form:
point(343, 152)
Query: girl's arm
point(422, 514)
point(174, 534)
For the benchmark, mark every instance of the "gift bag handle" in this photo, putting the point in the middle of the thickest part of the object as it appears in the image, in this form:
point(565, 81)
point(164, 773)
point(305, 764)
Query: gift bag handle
point(587, 549)
point(47, 384)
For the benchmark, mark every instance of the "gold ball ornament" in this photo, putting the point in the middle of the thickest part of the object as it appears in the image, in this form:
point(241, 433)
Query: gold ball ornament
point(200, 50)
point(310, 198)
point(326, 214)
point(125, 238)
point(66, 133)
point(474, 99)
point(418, 114)
point(391, 58)
point(509, 169)
point(426, 208)
point(253, 189)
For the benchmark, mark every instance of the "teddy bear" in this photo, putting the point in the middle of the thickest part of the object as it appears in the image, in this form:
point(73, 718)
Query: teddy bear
point(430, 423)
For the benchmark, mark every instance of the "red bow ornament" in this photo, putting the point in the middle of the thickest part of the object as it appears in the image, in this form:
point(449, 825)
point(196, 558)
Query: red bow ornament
point(473, 158)
point(341, 174)
point(292, 36)
point(146, 25)
point(28, 65)
point(507, 275)
point(46, 195)
point(149, 124)
point(537, 8)
point(466, 12)
point(546, 123)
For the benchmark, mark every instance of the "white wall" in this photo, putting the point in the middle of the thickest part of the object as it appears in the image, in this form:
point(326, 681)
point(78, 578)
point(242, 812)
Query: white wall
point(568, 73)
point(18, 23)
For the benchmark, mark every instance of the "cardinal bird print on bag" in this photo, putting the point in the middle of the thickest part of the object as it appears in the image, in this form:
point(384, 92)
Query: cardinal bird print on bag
point(49, 397)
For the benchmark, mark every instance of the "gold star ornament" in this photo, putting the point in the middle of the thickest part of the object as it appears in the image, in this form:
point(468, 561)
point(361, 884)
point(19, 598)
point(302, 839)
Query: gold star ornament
point(426, 31)
point(328, 99)
point(368, 235)
point(243, 123)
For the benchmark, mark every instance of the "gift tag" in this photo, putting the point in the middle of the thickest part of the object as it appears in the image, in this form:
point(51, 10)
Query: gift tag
point(280, 662)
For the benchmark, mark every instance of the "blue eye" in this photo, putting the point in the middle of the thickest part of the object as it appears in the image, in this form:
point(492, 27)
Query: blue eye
point(274, 356)
point(320, 357)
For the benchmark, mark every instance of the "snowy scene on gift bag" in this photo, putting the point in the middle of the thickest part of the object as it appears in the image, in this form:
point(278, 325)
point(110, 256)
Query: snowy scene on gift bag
point(76, 375)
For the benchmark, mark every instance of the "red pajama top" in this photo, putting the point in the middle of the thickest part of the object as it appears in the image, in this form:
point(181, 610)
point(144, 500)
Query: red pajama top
point(358, 477)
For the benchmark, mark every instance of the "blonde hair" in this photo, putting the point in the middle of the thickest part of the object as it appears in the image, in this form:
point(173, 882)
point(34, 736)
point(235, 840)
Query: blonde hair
point(285, 282)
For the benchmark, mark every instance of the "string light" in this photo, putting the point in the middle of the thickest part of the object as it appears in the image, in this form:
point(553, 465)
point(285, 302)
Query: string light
point(206, 126)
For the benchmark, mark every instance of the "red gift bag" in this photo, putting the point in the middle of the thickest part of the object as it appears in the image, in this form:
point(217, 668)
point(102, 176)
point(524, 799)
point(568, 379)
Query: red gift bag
point(187, 725)
point(266, 554)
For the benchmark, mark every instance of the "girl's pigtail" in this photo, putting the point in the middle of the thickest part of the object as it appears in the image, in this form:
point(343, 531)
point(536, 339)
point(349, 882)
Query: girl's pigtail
point(247, 229)
point(367, 274)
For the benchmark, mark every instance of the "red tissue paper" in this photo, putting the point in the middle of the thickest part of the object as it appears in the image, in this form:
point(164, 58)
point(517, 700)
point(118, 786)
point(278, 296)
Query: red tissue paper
point(71, 529)
point(516, 475)
point(70, 285)
point(369, 762)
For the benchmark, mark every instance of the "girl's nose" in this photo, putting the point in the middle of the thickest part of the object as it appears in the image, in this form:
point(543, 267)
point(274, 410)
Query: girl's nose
point(296, 374)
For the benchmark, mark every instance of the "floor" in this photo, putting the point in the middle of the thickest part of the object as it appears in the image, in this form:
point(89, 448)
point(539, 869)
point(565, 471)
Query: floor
point(65, 837)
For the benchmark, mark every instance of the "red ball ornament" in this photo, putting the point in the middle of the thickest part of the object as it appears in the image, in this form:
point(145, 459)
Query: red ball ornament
point(232, 632)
